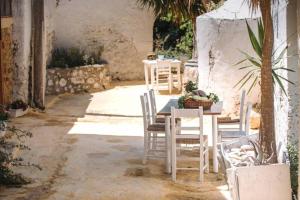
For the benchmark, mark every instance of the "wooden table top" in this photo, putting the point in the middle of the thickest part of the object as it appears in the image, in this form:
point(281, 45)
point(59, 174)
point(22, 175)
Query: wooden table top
point(216, 109)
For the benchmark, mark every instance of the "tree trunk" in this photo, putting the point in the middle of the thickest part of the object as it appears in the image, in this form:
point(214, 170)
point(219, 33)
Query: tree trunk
point(38, 73)
point(267, 130)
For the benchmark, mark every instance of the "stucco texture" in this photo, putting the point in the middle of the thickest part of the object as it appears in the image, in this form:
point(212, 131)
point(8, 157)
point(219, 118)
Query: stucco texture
point(121, 27)
point(221, 35)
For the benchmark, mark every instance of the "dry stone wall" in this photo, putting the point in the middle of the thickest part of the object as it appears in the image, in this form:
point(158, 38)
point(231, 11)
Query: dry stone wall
point(79, 79)
point(122, 28)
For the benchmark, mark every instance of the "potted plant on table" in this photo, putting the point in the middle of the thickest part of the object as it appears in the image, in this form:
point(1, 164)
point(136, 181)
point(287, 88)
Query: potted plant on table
point(195, 98)
point(18, 108)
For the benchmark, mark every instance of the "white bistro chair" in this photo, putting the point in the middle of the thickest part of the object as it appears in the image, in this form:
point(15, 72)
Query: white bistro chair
point(192, 140)
point(164, 74)
point(153, 131)
point(228, 121)
point(226, 134)
point(155, 117)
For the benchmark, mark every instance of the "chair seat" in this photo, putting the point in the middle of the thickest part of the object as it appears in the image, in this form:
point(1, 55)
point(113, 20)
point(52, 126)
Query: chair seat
point(156, 127)
point(227, 120)
point(232, 134)
point(162, 120)
point(190, 140)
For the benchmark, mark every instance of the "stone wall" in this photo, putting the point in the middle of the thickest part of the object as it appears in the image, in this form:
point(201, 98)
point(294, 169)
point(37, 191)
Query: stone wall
point(121, 27)
point(79, 79)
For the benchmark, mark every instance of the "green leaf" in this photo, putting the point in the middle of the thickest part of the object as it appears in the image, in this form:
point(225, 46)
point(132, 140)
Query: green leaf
point(240, 62)
point(256, 46)
point(252, 59)
point(275, 76)
point(261, 32)
point(279, 58)
point(283, 68)
point(253, 85)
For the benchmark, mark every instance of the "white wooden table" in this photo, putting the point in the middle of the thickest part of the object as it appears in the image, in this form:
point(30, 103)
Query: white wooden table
point(150, 65)
point(215, 110)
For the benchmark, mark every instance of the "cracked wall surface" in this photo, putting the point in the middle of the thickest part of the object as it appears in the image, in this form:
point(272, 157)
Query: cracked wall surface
point(21, 11)
point(219, 42)
point(121, 27)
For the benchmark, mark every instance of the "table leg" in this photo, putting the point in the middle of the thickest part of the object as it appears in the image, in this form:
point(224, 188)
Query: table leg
point(215, 138)
point(146, 75)
point(152, 76)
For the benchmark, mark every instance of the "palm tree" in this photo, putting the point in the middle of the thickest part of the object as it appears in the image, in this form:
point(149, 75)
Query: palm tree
point(267, 129)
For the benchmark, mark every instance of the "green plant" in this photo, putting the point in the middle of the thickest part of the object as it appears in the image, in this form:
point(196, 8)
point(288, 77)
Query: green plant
point(171, 39)
point(191, 86)
point(293, 159)
point(3, 114)
point(253, 73)
point(213, 97)
point(181, 102)
point(74, 57)
point(18, 104)
point(12, 140)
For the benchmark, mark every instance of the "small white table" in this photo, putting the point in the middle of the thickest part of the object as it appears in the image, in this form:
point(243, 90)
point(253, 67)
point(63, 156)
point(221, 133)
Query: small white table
point(150, 65)
point(215, 110)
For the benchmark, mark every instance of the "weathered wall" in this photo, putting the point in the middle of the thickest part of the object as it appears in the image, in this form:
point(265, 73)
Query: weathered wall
point(293, 63)
point(121, 27)
point(21, 48)
point(6, 59)
point(219, 41)
point(79, 79)
point(281, 102)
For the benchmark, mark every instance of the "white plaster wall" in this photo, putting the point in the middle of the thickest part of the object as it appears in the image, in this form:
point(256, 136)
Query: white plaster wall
point(224, 38)
point(21, 51)
point(292, 63)
point(124, 29)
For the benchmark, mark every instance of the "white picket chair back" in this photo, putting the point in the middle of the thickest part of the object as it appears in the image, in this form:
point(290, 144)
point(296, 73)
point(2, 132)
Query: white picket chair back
point(247, 118)
point(146, 111)
point(164, 74)
point(242, 103)
point(153, 105)
point(175, 134)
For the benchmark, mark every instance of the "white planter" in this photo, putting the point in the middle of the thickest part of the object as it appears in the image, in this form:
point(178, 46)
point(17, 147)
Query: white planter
point(13, 113)
point(260, 182)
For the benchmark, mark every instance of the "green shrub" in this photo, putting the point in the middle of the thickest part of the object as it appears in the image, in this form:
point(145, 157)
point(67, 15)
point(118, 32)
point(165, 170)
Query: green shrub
point(173, 40)
point(74, 57)
point(12, 140)
point(293, 158)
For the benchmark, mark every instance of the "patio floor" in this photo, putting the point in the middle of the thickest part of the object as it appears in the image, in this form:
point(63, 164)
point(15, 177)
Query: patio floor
point(90, 147)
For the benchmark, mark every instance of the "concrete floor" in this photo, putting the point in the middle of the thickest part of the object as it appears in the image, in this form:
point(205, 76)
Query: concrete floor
point(90, 147)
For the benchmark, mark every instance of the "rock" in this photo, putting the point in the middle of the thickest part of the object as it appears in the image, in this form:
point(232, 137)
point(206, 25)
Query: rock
point(79, 79)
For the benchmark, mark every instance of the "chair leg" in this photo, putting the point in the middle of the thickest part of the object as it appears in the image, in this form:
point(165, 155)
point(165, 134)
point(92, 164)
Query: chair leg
point(146, 145)
point(173, 147)
point(201, 164)
point(207, 158)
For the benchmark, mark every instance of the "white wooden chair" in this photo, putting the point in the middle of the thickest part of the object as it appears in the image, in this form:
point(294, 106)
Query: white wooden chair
point(194, 139)
point(155, 117)
point(226, 134)
point(164, 74)
point(228, 121)
point(153, 131)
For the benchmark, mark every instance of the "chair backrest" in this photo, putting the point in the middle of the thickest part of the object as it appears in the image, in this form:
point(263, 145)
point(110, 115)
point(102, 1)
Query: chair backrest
point(163, 67)
point(242, 104)
point(247, 118)
point(153, 105)
point(187, 113)
point(146, 110)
